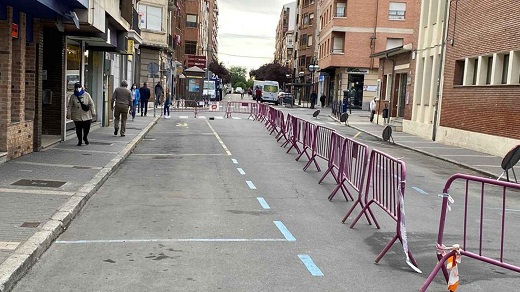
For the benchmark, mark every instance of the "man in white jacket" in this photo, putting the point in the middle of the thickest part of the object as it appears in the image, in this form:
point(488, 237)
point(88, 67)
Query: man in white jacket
point(372, 109)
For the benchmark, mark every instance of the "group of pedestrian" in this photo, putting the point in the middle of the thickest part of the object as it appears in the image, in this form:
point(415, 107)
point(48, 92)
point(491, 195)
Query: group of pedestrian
point(124, 101)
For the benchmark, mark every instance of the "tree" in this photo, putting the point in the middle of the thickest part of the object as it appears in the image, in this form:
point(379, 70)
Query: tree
point(272, 71)
point(221, 71)
point(238, 74)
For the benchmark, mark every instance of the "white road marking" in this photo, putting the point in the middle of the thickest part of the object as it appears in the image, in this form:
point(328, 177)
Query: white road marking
point(58, 165)
point(37, 192)
point(218, 138)
point(183, 117)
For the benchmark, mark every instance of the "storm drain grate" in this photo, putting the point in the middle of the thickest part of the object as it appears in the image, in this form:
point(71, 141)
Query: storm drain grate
point(30, 224)
point(39, 183)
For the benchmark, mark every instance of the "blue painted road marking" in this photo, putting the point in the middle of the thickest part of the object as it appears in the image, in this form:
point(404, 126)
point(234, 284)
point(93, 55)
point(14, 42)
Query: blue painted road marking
point(263, 203)
point(251, 185)
point(310, 265)
point(241, 171)
point(234, 161)
point(284, 231)
point(420, 191)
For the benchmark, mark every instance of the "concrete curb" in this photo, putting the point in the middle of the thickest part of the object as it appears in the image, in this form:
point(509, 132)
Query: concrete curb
point(484, 172)
point(25, 256)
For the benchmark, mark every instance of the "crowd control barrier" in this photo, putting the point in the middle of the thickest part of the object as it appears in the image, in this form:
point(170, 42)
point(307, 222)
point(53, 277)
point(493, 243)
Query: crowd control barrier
point(288, 135)
point(352, 169)
point(308, 140)
point(239, 108)
point(385, 185)
point(476, 241)
point(296, 135)
point(335, 154)
point(321, 146)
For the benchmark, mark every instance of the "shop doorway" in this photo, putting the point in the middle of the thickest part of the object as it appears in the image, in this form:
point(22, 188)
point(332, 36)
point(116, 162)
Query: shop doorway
point(355, 90)
point(401, 94)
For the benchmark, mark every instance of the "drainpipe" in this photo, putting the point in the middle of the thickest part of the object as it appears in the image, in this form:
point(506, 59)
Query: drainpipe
point(373, 38)
point(441, 65)
point(380, 93)
point(391, 88)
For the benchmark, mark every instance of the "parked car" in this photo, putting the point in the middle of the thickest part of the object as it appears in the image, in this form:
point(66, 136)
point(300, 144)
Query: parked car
point(239, 90)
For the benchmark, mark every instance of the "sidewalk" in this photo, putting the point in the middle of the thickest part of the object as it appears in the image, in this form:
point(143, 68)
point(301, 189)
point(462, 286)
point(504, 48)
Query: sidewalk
point(484, 163)
point(40, 193)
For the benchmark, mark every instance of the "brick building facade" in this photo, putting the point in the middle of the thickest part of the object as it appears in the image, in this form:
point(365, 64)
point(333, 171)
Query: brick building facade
point(482, 77)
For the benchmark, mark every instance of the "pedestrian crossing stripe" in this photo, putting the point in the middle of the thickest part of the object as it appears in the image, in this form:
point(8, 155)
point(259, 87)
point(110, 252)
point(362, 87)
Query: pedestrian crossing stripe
point(236, 118)
point(201, 117)
point(183, 117)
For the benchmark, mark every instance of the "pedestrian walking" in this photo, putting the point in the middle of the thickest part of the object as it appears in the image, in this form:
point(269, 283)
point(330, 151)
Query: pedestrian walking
point(258, 94)
point(158, 94)
point(80, 109)
point(372, 108)
point(167, 102)
point(314, 98)
point(322, 100)
point(121, 103)
point(144, 93)
point(135, 99)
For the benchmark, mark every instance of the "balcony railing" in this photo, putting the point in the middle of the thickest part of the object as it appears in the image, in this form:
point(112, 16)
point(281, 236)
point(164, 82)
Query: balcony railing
point(135, 21)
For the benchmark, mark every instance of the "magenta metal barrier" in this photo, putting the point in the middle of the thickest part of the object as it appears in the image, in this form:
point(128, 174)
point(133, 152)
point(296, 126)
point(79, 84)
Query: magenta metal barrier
point(335, 153)
point(280, 121)
point(472, 236)
point(296, 134)
point(288, 135)
point(321, 146)
point(352, 169)
point(307, 140)
point(385, 185)
point(262, 112)
point(272, 123)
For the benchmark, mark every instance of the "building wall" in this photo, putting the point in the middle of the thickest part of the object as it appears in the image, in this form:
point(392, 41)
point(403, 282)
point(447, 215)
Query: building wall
point(17, 81)
point(483, 112)
point(427, 63)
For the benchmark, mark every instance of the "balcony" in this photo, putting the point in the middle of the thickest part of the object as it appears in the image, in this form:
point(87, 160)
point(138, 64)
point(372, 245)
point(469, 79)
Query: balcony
point(135, 22)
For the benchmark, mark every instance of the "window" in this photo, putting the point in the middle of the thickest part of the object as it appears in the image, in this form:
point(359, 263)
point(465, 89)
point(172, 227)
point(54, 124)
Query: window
point(458, 75)
point(475, 72)
point(338, 45)
point(309, 41)
point(191, 20)
point(311, 18)
point(304, 40)
point(341, 9)
point(489, 69)
point(393, 43)
point(396, 11)
point(306, 19)
point(190, 47)
point(505, 69)
point(151, 18)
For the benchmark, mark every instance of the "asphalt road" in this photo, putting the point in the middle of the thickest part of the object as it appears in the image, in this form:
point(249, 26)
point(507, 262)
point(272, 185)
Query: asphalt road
point(217, 205)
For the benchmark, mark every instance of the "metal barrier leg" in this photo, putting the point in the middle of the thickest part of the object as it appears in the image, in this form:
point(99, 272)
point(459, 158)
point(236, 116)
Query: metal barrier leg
point(352, 209)
point(331, 170)
point(363, 211)
point(441, 264)
point(386, 248)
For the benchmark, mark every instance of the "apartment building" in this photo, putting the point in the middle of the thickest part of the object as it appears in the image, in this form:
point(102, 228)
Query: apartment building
point(479, 102)
point(285, 30)
point(213, 31)
point(46, 47)
point(350, 33)
point(306, 45)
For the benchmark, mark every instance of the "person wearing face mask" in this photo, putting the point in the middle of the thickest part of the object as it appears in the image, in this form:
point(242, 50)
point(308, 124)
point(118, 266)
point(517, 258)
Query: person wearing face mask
point(80, 109)
point(136, 96)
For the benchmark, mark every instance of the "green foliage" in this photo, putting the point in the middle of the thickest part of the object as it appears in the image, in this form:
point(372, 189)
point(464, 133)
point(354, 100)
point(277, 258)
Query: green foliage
point(221, 71)
point(272, 71)
point(240, 84)
point(238, 74)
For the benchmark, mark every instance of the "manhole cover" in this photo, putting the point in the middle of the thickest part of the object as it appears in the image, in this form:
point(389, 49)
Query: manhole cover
point(39, 183)
point(101, 143)
point(30, 224)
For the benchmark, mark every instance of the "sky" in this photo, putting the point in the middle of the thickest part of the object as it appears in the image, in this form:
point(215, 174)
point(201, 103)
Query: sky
point(247, 30)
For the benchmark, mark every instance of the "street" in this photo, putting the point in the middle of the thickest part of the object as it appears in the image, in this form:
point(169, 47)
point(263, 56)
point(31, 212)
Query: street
point(217, 205)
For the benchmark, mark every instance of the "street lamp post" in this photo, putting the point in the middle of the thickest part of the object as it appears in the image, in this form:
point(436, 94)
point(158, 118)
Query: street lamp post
point(301, 75)
point(313, 68)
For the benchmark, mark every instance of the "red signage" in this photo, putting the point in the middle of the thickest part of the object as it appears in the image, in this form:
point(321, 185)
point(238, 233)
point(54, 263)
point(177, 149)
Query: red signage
point(199, 61)
point(14, 30)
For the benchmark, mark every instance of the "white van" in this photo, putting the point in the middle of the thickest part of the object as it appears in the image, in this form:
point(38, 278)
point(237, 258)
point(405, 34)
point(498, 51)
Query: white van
point(270, 91)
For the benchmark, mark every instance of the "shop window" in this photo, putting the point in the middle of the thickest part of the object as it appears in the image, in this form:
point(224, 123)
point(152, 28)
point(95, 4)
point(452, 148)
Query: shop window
point(151, 18)
point(397, 11)
point(191, 20)
point(190, 47)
